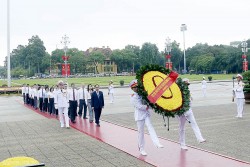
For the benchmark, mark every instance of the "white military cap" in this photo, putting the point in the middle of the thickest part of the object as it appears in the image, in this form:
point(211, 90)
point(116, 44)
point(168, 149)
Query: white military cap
point(133, 83)
point(239, 76)
point(185, 80)
point(60, 82)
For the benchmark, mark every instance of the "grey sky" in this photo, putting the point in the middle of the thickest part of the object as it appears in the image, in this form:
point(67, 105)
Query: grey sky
point(116, 23)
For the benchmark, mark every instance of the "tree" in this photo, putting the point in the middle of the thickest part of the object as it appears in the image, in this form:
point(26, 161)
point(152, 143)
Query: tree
point(77, 61)
point(176, 55)
point(149, 54)
point(96, 57)
point(35, 53)
point(3, 72)
point(16, 72)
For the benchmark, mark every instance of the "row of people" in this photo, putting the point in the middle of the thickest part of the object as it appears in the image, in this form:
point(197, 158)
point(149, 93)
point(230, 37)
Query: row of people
point(51, 99)
point(68, 99)
point(39, 96)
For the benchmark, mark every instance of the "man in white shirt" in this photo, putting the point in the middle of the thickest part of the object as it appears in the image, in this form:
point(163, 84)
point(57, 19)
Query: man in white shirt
point(41, 95)
point(82, 102)
point(73, 96)
point(27, 92)
point(23, 93)
point(31, 96)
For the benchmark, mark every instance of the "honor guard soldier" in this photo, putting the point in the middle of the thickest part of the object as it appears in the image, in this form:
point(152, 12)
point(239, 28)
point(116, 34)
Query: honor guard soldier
point(142, 116)
point(204, 87)
point(73, 96)
point(188, 116)
point(62, 103)
point(111, 91)
point(239, 95)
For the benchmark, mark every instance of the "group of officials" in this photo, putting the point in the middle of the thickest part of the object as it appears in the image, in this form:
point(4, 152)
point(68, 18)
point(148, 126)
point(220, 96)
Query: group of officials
point(63, 101)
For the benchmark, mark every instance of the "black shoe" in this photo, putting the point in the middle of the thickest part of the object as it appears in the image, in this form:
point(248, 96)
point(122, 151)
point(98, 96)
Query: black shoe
point(73, 122)
point(98, 125)
point(85, 118)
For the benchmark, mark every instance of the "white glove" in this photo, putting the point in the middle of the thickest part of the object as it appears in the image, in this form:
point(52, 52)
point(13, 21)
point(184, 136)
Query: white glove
point(56, 106)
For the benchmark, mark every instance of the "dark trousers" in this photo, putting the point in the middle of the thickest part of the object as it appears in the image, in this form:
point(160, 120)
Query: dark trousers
point(41, 103)
point(27, 99)
point(35, 102)
point(32, 102)
point(98, 112)
point(45, 105)
point(56, 112)
point(24, 99)
point(73, 108)
point(51, 105)
point(83, 106)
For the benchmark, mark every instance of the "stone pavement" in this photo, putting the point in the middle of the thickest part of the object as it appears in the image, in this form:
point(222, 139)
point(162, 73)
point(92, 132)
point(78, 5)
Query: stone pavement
point(26, 133)
point(215, 115)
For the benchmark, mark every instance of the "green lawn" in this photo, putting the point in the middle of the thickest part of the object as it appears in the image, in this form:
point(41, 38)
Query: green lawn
point(103, 81)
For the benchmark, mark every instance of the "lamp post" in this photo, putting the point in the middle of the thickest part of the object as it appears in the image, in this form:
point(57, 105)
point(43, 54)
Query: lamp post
point(244, 56)
point(168, 48)
point(183, 29)
point(65, 42)
point(8, 42)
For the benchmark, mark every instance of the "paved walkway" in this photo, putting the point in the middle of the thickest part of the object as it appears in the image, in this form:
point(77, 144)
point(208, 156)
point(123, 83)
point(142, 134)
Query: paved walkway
point(26, 133)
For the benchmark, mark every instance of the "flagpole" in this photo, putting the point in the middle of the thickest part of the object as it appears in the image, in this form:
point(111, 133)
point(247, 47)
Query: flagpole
point(8, 42)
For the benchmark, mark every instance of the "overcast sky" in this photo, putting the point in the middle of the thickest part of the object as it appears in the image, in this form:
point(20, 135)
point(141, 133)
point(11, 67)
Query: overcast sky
point(116, 23)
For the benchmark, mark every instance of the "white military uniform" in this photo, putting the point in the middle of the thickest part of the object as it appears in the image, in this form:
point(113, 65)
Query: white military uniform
point(111, 93)
point(240, 98)
point(62, 103)
point(142, 116)
point(188, 115)
point(204, 87)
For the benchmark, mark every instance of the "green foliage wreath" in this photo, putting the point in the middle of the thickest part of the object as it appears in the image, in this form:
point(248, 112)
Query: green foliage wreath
point(142, 92)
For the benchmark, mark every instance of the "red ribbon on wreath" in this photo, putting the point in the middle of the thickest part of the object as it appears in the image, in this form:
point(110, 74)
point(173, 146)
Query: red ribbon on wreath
point(162, 87)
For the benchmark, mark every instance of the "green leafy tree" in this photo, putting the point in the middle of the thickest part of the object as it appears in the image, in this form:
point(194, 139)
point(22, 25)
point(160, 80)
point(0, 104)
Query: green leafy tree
point(149, 54)
point(96, 58)
point(16, 72)
point(176, 55)
point(35, 53)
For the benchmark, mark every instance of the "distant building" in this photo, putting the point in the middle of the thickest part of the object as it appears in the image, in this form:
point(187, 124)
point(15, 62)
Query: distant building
point(106, 67)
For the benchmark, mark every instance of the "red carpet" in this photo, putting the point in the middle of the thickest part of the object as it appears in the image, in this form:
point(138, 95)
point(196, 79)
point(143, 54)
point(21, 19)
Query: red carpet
point(171, 155)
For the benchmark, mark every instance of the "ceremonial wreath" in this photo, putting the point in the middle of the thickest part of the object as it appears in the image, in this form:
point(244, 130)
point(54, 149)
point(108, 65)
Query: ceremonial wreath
point(173, 101)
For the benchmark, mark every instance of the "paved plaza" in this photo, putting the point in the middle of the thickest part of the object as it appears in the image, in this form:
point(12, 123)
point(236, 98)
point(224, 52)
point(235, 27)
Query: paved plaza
point(25, 133)
point(215, 115)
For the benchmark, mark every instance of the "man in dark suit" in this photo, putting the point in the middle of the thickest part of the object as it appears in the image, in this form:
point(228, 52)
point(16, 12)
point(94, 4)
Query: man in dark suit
point(97, 103)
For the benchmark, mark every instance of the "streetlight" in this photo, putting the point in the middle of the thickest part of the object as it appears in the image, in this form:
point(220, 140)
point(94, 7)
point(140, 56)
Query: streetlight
point(8, 42)
point(168, 48)
point(183, 29)
point(244, 56)
point(65, 42)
